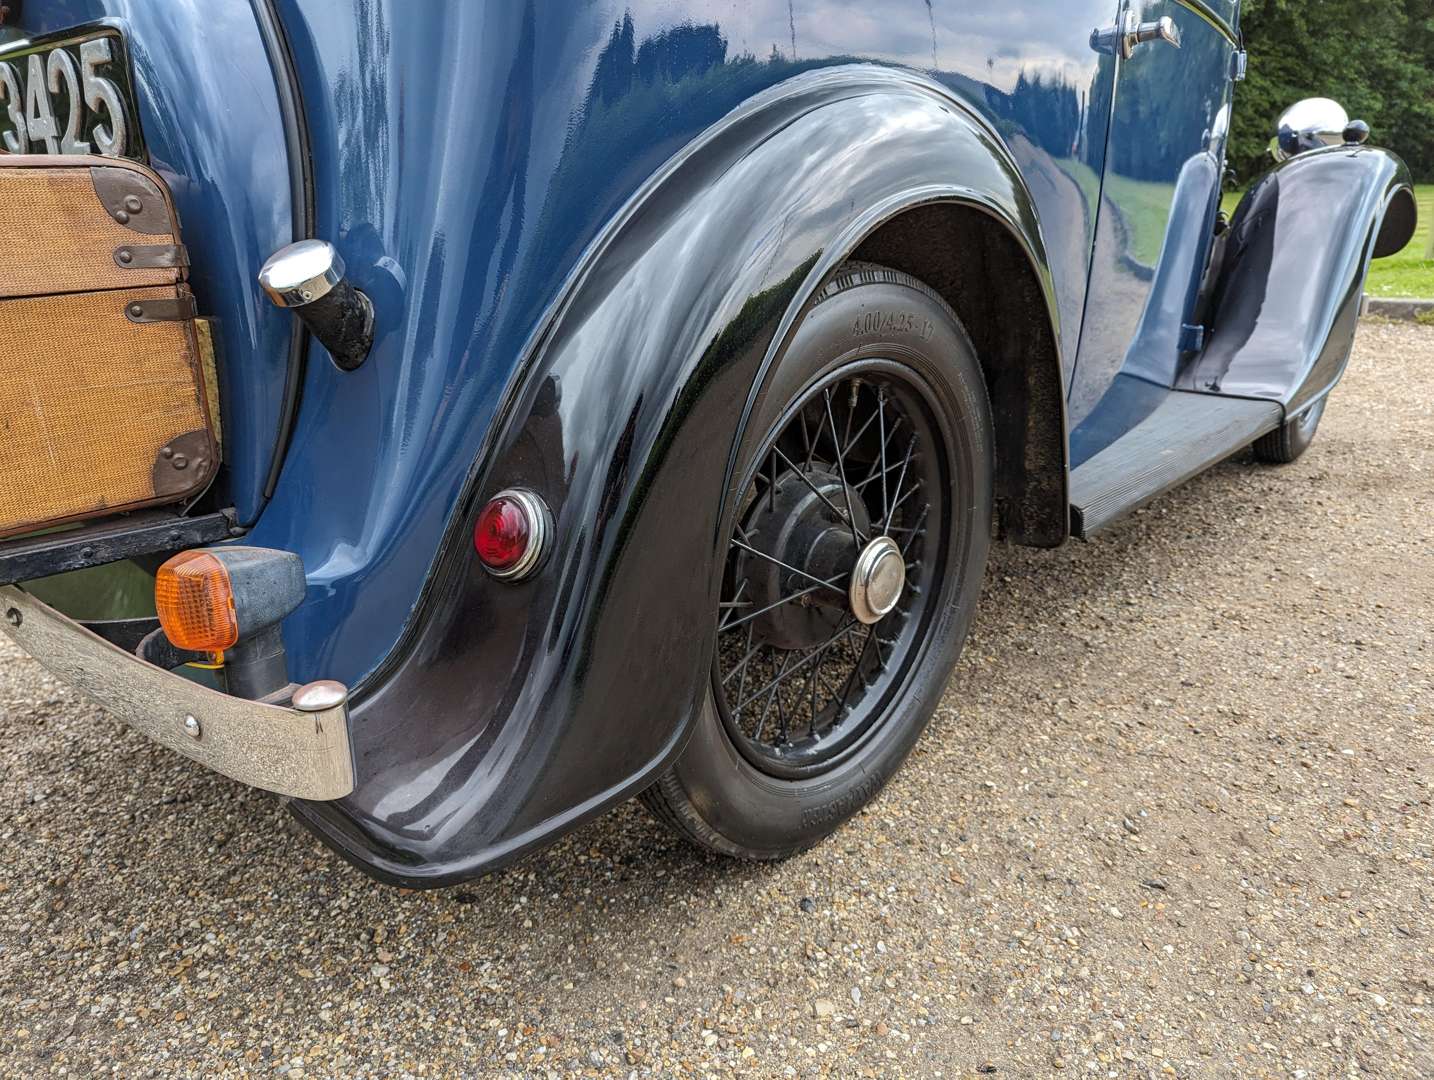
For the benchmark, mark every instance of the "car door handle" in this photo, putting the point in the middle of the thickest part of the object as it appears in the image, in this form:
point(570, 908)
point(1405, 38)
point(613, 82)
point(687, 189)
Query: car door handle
point(1129, 33)
point(1162, 29)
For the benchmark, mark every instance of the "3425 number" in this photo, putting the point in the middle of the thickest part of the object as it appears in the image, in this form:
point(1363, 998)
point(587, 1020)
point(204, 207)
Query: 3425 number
point(61, 106)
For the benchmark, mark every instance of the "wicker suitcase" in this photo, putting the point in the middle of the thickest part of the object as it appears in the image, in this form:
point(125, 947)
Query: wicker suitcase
point(103, 400)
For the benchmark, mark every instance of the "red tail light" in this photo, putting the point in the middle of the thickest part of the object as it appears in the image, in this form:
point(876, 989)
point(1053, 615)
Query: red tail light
point(511, 534)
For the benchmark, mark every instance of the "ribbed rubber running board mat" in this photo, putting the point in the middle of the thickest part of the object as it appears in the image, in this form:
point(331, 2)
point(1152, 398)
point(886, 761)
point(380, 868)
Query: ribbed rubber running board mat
point(1185, 435)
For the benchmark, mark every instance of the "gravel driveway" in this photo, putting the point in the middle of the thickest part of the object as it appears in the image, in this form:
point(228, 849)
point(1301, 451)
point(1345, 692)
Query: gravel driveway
point(1172, 818)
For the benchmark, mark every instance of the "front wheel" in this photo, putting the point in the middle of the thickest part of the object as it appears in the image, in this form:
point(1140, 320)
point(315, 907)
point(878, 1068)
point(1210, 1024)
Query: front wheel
point(855, 550)
point(1292, 438)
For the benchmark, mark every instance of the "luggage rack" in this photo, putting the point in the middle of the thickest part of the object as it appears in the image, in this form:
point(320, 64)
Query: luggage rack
point(24, 558)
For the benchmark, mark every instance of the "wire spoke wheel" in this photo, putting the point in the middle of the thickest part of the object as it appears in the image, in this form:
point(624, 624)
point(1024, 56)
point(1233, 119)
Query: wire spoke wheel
point(855, 533)
point(833, 556)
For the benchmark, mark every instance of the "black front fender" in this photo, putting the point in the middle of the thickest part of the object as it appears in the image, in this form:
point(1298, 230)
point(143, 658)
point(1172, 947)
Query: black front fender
point(516, 711)
point(1289, 292)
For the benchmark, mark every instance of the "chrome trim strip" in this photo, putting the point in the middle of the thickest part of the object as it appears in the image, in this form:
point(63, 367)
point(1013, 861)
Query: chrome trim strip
point(302, 754)
point(1211, 16)
point(301, 209)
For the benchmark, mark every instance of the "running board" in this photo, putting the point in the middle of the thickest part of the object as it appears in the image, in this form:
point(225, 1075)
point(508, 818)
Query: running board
point(1185, 435)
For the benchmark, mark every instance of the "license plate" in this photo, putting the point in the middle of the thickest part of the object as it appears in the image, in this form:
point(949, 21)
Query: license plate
point(69, 93)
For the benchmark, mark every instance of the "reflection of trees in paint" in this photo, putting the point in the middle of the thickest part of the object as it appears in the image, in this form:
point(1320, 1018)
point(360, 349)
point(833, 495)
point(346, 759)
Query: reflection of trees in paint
point(1163, 111)
point(670, 56)
point(647, 99)
point(1047, 109)
point(649, 96)
point(1164, 108)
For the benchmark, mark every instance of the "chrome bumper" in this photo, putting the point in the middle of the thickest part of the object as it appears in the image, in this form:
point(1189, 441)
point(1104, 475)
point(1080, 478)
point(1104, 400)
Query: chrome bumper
point(302, 754)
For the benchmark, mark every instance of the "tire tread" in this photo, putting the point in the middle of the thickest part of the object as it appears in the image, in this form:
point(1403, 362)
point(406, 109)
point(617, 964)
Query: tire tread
point(1287, 443)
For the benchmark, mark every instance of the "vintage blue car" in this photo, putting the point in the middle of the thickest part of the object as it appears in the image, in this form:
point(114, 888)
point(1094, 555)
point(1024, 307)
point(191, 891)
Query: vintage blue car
point(521, 406)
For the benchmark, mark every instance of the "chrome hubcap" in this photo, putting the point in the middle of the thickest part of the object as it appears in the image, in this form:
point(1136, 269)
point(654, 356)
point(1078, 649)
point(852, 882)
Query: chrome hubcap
point(877, 580)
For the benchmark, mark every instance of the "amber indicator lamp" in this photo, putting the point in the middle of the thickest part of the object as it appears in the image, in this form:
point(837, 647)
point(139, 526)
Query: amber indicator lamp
point(231, 599)
point(195, 602)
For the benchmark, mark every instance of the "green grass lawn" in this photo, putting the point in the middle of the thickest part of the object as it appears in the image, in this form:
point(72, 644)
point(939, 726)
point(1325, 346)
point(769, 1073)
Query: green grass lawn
point(1411, 272)
point(117, 591)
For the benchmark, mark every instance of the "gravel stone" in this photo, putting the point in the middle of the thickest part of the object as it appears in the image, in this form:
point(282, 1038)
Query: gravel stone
point(1171, 818)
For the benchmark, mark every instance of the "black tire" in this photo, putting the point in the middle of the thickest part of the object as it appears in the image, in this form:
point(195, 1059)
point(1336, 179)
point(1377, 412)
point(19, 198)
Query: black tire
point(1292, 438)
point(732, 792)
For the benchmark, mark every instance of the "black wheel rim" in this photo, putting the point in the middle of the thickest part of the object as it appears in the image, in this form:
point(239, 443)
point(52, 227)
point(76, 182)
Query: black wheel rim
point(800, 682)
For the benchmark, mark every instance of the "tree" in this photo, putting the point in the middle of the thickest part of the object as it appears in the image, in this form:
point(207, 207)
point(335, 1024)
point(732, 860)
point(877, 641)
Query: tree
point(1375, 57)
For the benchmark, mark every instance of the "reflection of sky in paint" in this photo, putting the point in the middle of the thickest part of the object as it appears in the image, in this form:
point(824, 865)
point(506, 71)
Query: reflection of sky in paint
point(992, 42)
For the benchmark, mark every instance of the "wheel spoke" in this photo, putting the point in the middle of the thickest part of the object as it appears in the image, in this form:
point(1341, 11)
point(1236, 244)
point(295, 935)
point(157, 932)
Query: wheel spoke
point(881, 435)
point(813, 683)
point(873, 477)
point(816, 683)
point(855, 669)
point(845, 440)
point(881, 660)
point(752, 650)
point(732, 605)
point(788, 671)
point(876, 466)
point(915, 529)
point(886, 525)
point(762, 720)
point(841, 472)
point(830, 583)
point(816, 490)
point(897, 504)
point(785, 566)
point(742, 685)
point(866, 424)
